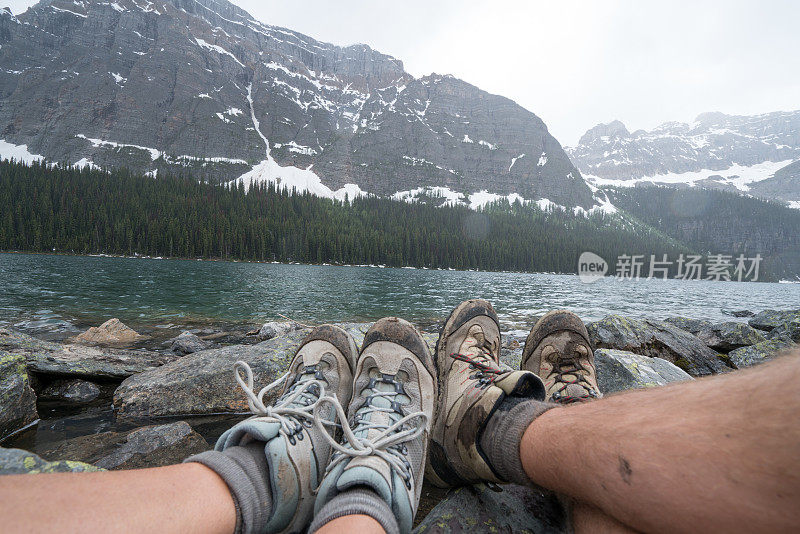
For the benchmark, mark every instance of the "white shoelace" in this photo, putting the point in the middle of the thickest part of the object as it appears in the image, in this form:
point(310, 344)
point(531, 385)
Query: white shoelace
point(391, 435)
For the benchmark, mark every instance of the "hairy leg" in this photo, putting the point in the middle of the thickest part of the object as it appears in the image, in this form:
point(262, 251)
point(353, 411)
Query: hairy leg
point(180, 498)
point(720, 453)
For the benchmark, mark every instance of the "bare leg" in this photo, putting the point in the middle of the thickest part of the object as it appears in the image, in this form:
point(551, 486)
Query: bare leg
point(362, 524)
point(715, 454)
point(180, 498)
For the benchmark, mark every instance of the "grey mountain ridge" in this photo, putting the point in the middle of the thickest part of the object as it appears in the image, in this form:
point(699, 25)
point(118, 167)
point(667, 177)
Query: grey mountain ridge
point(167, 86)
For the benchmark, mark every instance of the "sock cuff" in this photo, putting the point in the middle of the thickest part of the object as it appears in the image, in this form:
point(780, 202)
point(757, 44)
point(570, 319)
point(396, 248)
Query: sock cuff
point(503, 435)
point(354, 501)
point(244, 470)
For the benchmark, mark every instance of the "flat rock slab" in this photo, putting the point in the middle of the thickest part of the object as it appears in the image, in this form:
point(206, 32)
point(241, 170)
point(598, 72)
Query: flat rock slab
point(73, 391)
point(19, 462)
point(203, 382)
point(761, 352)
point(80, 360)
point(723, 337)
point(17, 399)
point(769, 319)
point(150, 446)
point(477, 508)
point(618, 370)
point(657, 339)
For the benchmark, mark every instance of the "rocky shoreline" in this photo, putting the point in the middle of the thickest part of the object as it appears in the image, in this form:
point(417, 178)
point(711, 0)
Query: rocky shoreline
point(189, 376)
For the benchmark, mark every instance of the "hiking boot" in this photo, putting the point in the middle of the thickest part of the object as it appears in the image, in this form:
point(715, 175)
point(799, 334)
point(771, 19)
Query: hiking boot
point(388, 421)
point(471, 387)
point(296, 450)
point(559, 351)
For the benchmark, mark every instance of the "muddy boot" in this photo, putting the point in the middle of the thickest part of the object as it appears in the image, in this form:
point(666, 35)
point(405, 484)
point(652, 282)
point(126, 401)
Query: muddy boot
point(471, 387)
point(559, 351)
point(378, 469)
point(274, 461)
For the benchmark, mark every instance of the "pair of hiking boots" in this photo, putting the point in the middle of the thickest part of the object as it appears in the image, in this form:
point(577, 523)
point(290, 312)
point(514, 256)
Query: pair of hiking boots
point(407, 411)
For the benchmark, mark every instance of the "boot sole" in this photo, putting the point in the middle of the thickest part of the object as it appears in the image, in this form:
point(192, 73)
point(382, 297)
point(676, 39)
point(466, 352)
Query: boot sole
point(339, 338)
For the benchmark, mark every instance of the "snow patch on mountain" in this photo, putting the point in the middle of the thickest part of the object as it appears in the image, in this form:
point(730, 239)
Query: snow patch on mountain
point(17, 153)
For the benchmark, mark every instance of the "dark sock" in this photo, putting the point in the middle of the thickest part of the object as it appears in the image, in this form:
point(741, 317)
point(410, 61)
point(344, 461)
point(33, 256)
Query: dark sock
point(244, 469)
point(501, 438)
point(359, 500)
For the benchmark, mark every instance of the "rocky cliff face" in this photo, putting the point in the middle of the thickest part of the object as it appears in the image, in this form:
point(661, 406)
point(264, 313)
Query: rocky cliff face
point(717, 150)
point(199, 85)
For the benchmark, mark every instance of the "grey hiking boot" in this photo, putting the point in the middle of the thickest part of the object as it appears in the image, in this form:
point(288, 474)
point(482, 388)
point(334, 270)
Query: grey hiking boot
point(388, 421)
point(471, 387)
point(296, 450)
point(559, 351)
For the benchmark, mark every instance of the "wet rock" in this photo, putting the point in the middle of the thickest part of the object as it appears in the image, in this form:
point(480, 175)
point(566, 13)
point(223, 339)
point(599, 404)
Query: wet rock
point(17, 399)
point(479, 509)
point(738, 313)
point(19, 462)
point(79, 360)
point(112, 332)
point(276, 328)
point(187, 343)
point(790, 330)
point(659, 340)
point(723, 337)
point(760, 352)
point(769, 319)
point(149, 446)
point(619, 370)
point(203, 382)
point(71, 391)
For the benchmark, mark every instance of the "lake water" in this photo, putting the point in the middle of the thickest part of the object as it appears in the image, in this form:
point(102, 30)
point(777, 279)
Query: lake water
point(51, 292)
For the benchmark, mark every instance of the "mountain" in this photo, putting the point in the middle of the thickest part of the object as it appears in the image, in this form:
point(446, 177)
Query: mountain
point(201, 86)
point(750, 154)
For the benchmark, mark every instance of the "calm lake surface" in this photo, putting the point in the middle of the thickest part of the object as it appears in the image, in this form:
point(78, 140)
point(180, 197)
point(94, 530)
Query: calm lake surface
point(50, 292)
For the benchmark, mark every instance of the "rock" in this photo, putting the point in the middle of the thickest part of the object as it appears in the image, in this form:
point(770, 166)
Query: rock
point(480, 509)
point(619, 370)
point(111, 332)
point(275, 329)
point(17, 399)
point(790, 330)
point(738, 313)
point(149, 446)
point(71, 391)
point(79, 360)
point(656, 339)
point(723, 337)
point(187, 343)
point(760, 352)
point(769, 319)
point(19, 462)
point(203, 382)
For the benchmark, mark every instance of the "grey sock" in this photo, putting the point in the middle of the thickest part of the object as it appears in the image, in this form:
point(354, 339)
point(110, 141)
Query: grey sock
point(502, 436)
point(359, 500)
point(244, 469)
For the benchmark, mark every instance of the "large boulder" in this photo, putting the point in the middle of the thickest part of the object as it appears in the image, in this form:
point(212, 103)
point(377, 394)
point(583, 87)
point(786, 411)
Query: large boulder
point(723, 337)
point(187, 343)
point(111, 332)
point(618, 370)
point(656, 339)
point(17, 399)
point(769, 319)
point(149, 446)
point(760, 352)
point(79, 360)
point(203, 382)
point(478, 508)
point(790, 330)
point(19, 462)
point(738, 313)
point(73, 391)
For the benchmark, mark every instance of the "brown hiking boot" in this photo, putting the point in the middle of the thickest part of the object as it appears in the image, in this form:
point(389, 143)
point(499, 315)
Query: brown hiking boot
point(559, 351)
point(471, 386)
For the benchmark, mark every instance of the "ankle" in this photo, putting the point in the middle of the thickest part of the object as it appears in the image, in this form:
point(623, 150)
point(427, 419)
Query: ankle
point(357, 501)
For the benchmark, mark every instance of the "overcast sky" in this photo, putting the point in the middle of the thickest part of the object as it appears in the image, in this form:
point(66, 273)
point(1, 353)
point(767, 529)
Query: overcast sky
point(577, 63)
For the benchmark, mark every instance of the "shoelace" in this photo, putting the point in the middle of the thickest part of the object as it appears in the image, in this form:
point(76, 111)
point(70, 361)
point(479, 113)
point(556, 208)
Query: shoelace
point(574, 368)
point(388, 445)
point(294, 410)
point(487, 369)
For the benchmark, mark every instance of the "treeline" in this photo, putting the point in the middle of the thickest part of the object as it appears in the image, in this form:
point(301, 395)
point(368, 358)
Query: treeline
point(45, 209)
